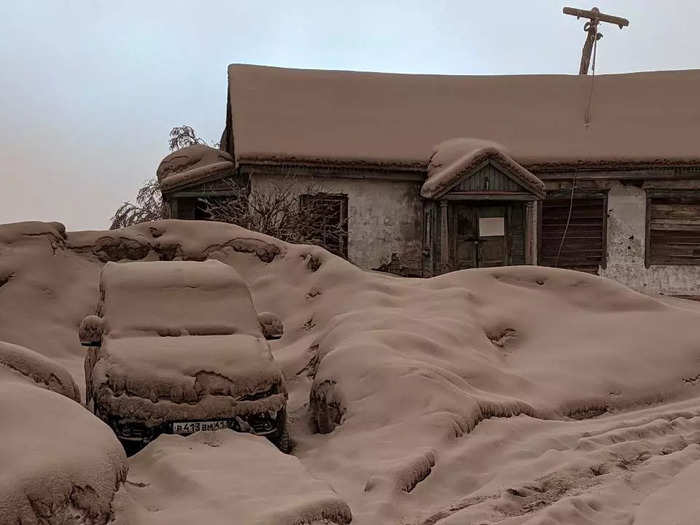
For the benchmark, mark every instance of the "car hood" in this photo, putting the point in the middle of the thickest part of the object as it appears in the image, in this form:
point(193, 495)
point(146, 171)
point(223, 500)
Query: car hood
point(185, 369)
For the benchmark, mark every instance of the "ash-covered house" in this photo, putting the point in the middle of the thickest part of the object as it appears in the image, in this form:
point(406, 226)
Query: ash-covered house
point(438, 173)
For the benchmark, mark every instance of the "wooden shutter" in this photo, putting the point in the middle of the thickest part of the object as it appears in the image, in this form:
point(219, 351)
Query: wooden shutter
point(673, 229)
point(584, 245)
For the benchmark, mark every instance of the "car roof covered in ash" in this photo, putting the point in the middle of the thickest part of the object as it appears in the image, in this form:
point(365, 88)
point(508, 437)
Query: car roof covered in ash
point(172, 298)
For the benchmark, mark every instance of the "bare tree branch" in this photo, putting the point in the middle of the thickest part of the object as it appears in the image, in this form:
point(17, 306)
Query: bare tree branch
point(183, 136)
point(149, 206)
point(286, 211)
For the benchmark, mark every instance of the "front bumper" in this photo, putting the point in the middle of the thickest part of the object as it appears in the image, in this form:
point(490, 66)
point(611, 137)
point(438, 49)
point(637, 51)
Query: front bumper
point(133, 430)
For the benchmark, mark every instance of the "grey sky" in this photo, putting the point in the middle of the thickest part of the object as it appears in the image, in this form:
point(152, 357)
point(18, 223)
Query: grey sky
point(90, 89)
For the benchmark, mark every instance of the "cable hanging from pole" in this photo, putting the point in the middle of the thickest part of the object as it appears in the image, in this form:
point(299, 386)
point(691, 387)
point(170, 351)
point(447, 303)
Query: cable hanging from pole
point(596, 36)
point(587, 120)
point(568, 221)
point(591, 27)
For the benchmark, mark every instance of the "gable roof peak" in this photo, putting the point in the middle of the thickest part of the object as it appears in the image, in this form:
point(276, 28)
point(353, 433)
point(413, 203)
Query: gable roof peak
point(456, 158)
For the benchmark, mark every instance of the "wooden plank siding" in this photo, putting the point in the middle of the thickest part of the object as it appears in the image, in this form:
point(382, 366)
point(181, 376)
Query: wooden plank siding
point(584, 246)
point(488, 179)
point(673, 228)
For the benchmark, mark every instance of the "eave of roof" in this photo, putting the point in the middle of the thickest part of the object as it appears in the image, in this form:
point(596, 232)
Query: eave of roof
point(422, 166)
point(197, 176)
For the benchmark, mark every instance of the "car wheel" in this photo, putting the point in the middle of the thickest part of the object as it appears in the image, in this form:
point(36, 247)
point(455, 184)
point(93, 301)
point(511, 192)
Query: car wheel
point(283, 440)
point(284, 443)
point(131, 447)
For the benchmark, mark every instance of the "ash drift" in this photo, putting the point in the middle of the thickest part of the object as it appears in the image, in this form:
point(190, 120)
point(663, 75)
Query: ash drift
point(411, 381)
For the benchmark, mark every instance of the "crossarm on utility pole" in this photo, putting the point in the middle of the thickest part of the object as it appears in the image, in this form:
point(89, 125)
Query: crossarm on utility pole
point(591, 27)
point(602, 17)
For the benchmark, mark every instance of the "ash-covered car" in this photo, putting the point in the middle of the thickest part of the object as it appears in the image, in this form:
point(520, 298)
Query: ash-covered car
point(177, 347)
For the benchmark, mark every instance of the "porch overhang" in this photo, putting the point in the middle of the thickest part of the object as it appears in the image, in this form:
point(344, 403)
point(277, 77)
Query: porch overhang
point(193, 165)
point(472, 169)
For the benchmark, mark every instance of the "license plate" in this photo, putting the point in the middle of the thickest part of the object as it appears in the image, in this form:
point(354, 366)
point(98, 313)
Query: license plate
point(189, 427)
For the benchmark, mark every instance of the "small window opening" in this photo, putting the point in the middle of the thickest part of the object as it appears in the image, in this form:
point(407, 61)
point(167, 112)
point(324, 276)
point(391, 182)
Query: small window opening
point(326, 221)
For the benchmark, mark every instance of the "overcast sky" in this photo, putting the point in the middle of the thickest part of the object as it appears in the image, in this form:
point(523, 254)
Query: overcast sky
point(90, 89)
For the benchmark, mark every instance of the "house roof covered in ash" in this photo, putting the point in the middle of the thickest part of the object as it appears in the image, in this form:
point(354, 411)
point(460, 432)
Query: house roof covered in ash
point(278, 114)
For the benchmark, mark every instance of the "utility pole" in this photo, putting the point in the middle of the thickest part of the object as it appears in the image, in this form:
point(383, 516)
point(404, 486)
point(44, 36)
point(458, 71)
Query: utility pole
point(591, 27)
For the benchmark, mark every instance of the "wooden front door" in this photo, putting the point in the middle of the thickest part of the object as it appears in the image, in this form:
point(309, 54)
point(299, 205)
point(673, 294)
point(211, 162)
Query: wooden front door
point(478, 235)
point(465, 225)
point(492, 236)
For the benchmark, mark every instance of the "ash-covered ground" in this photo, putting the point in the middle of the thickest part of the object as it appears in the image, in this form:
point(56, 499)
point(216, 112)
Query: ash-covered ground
point(509, 395)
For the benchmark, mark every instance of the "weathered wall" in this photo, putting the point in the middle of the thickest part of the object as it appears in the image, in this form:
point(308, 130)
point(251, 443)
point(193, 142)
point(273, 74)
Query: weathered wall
point(384, 218)
point(626, 242)
point(385, 228)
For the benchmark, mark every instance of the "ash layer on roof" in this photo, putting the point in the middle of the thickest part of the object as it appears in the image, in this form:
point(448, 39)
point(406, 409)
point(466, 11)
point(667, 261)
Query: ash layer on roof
point(396, 119)
point(193, 164)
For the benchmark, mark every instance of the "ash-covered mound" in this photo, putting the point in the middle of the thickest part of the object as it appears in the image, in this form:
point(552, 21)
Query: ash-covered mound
point(39, 369)
point(58, 462)
point(392, 380)
point(223, 477)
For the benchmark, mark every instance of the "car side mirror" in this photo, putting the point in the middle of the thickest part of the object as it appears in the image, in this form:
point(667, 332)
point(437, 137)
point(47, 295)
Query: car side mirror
point(272, 327)
point(90, 331)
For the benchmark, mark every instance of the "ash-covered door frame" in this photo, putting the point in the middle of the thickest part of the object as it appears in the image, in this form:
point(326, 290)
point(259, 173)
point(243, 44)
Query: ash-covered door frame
point(531, 232)
point(437, 239)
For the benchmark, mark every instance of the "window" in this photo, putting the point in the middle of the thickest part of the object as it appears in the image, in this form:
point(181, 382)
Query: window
point(583, 247)
point(673, 228)
point(326, 222)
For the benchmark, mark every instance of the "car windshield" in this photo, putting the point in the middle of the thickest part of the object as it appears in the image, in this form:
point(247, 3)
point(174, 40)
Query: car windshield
point(176, 298)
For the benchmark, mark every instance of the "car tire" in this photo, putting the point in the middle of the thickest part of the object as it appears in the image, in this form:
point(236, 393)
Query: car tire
point(284, 443)
point(283, 440)
point(132, 447)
